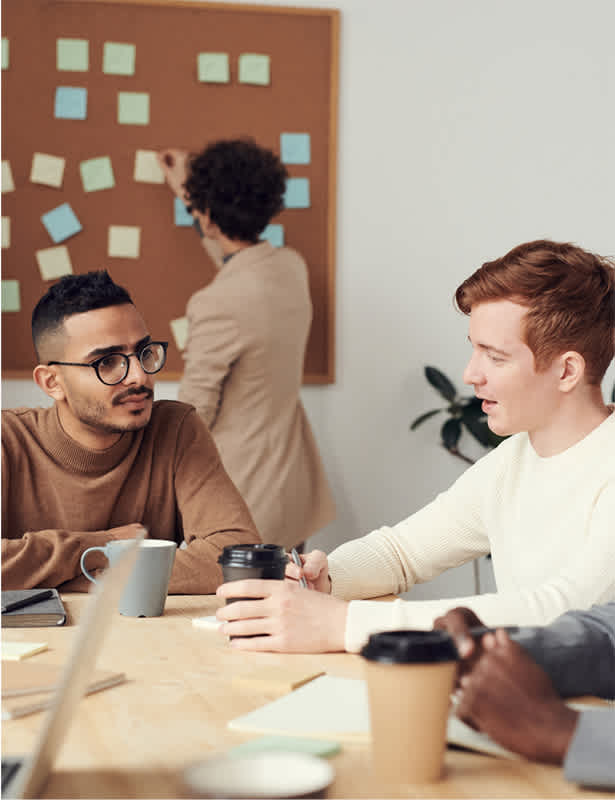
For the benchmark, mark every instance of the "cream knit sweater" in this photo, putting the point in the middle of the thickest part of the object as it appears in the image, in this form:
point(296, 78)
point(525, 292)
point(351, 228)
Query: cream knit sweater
point(548, 522)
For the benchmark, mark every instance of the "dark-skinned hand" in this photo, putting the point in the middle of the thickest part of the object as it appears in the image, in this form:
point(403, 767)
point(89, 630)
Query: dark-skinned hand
point(511, 698)
point(458, 622)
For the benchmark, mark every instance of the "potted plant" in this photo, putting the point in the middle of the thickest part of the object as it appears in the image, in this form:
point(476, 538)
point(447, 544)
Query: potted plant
point(464, 413)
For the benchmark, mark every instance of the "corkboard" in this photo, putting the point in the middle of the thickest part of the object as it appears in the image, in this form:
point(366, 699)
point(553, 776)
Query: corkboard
point(172, 265)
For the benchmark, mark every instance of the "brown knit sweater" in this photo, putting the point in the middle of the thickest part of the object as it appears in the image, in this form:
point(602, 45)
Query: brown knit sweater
point(59, 498)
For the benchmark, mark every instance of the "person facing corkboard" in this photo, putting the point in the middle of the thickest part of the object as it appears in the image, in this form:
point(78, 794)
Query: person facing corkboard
point(92, 89)
point(246, 337)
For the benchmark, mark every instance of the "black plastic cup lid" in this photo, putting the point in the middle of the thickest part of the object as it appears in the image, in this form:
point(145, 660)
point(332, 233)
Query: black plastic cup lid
point(410, 647)
point(252, 555)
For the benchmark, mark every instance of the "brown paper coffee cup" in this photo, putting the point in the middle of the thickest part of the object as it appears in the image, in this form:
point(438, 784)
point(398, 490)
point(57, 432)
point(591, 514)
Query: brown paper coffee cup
point(408, 703)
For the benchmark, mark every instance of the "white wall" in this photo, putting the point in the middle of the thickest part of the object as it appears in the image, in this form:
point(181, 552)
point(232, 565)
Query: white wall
point(466, 127)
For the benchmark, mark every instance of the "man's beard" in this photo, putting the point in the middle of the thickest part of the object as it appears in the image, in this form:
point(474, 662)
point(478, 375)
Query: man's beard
point(93, 415)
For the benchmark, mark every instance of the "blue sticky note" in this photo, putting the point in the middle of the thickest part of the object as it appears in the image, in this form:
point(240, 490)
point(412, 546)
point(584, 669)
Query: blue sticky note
point(182, 217)
point(71, 103)
point(61, 223)
point(297, 193)
point(295, 148)
point(274, 234)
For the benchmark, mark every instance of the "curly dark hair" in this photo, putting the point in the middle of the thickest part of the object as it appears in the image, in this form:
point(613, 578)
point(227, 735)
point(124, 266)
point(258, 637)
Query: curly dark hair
point(240, 184)
point(74, 294)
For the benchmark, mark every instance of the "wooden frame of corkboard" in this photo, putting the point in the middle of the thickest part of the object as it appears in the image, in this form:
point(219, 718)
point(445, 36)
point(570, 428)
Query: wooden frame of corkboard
point(302, 96)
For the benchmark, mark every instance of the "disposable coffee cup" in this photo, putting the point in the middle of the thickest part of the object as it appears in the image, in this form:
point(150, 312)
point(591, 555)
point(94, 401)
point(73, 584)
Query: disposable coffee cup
point(146, 589)
point(410, 676)
point(242, 561)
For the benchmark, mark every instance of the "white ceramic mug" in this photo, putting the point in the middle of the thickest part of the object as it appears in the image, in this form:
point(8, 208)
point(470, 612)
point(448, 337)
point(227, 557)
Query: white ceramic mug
point(146, 589)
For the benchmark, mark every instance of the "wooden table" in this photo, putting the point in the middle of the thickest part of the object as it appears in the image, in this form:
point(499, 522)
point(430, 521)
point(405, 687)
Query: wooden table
point(133, 740)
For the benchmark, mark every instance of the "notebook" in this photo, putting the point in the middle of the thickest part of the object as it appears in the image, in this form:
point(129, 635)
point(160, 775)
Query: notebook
point(27, 778)
point(337, 708)
point(39, 615)
point(29, 687)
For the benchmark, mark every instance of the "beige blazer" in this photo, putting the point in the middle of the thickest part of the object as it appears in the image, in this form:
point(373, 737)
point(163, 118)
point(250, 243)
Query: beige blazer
point(247, 332)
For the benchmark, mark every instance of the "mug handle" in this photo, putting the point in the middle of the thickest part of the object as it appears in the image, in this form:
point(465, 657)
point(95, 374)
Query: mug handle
point(83, 555)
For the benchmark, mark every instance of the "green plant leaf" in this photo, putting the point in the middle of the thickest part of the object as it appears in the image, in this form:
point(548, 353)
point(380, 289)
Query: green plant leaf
point(425, 416)
point(478, 428)
point(441, 383)
point(450, 433)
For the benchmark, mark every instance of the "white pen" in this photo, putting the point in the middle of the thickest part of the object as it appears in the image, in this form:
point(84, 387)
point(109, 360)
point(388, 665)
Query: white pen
point(295, 557)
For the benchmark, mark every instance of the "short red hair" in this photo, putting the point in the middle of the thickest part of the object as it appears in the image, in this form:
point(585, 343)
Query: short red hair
point(569, 294)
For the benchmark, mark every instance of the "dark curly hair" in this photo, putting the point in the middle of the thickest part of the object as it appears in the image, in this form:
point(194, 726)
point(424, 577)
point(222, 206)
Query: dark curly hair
point(240, 184)
point(74, 294)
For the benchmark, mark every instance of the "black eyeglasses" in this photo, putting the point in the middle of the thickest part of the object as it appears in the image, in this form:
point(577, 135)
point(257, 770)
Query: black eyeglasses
point(113, 368)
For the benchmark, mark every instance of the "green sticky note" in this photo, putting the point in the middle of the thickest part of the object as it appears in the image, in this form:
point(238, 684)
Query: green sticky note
point(213, 68)
point(97, 174)
point(5, 53)
point(119, 59)
point(255, 69)
point(133, 108)
point(292, 744)
point(72, 55)
point(11, 300)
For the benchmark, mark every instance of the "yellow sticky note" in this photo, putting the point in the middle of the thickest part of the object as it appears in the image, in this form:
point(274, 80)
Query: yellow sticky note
point(254, 68)
point(54, 262)
point(180, 331)
point(124, 241)
point(48, 170)
point(8, 185)
point(147, 168)
point(11, 299)
point(15, 651)
point(6, 232)
point(5, 53)
point(72, 55)
point(276, 679)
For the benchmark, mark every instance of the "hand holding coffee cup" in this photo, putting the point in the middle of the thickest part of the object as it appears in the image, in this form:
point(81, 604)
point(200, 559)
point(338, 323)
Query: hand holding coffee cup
point(242, 561)
point(410, 677)
point(147, 587)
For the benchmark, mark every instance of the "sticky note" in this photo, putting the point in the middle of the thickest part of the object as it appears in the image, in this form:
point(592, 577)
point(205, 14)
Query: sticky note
point(72, 55)
point(61, 223)
point(11, 300)
point(119, 59)
point(15, 651)
point(274, 234)
point(147, 168)
point(297, 193)
point(54, 262)
point(295, 148)
point(181, 215)
point(8, 185)
point(275, 679)
point(180, 332)
point(6, 232)
point(48, 170)
point(133, 108)
point(255, 69)
point(213, 68)
point(5, 53)
point(71, 103)
point(97, 174)
point(124, 241)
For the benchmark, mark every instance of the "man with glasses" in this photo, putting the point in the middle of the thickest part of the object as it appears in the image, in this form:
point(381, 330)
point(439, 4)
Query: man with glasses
point(106, 459)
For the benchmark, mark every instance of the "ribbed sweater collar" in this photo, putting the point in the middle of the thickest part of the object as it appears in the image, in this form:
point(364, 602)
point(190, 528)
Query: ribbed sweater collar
point(74, 456)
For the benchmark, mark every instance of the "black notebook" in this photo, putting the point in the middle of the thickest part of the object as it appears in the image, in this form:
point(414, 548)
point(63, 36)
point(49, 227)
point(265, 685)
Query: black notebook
point(39, 615)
